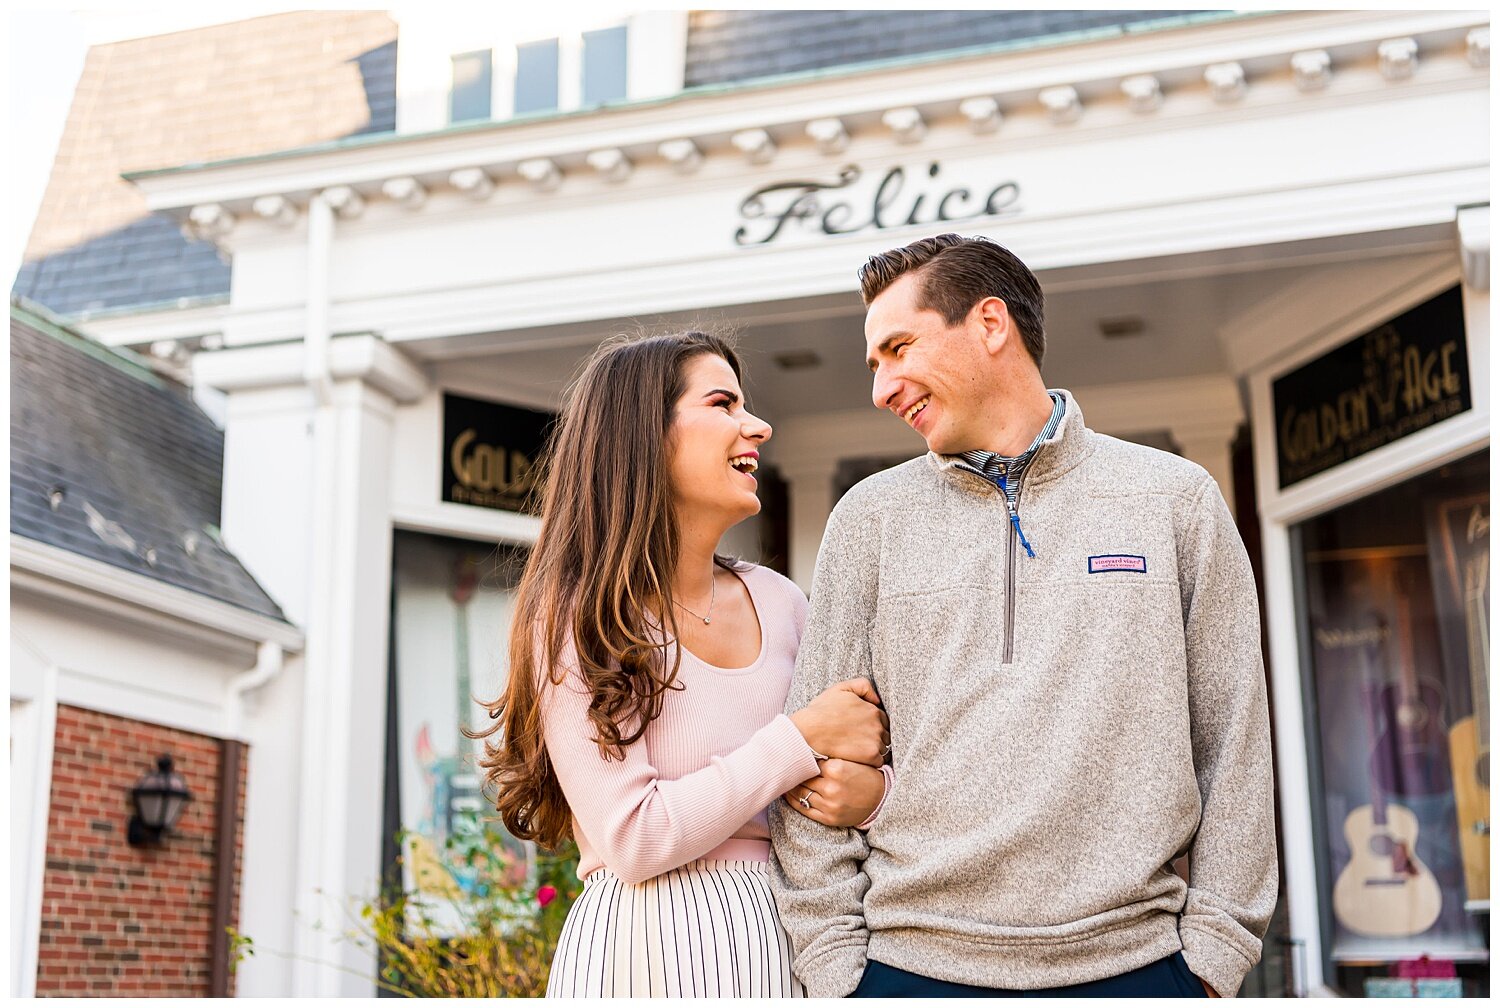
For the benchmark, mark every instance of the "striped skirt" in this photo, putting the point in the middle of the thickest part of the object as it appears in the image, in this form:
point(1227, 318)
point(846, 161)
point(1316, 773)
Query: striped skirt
point(707, 929)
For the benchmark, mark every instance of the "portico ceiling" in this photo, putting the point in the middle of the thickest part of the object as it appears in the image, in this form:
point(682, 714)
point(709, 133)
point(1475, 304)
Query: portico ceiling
point(1179, 321)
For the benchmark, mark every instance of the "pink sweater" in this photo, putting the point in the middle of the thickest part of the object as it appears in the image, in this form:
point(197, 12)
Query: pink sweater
point(697, 784)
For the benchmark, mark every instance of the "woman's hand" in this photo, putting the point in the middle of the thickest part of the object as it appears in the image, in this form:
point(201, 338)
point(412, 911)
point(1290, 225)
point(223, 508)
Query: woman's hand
point(845, 722)
point(844, 794)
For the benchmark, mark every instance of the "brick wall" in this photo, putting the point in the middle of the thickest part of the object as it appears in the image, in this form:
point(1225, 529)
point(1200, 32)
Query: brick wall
point(121, 920)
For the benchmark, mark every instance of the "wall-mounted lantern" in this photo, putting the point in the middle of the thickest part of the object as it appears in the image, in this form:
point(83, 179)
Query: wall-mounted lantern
point(159, 799)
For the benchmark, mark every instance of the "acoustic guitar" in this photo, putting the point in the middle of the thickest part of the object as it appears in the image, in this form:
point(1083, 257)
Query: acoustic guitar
point(1385, 891)
point(1469, 738)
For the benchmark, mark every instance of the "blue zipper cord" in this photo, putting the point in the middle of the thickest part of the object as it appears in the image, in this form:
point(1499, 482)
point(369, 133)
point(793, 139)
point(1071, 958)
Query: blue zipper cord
point(1015, 519)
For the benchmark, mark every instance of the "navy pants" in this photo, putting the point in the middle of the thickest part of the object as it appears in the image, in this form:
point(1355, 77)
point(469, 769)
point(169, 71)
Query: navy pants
point(1169, 977)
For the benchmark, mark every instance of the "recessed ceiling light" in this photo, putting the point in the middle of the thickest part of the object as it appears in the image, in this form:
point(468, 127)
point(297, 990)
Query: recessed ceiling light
point(1125, 325)
point(797, 360)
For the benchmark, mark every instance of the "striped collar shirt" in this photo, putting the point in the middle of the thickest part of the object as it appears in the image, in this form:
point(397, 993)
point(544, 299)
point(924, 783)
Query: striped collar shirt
point(992, 465)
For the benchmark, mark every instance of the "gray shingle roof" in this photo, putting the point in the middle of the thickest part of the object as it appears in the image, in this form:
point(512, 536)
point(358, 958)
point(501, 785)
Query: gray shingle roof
point(145, 262)
point(138, 462)
point(725, 46)
point(247, 87)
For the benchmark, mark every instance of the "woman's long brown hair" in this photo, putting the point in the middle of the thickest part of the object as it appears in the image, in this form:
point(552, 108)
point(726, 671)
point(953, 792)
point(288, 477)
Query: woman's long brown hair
point(600, 575)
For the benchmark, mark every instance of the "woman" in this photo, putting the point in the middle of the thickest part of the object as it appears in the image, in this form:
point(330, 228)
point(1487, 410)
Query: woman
point(642, 715)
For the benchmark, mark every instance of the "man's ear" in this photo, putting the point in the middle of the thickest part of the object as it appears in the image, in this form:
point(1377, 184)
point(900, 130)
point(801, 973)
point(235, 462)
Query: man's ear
point(993, 318)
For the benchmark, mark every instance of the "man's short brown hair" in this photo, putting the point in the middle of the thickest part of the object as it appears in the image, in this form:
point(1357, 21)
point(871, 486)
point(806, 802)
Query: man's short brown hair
point(955, 274)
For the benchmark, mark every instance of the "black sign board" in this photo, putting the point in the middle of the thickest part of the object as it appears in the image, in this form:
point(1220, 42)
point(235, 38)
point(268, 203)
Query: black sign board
point(1407, 374)
point(490, 452)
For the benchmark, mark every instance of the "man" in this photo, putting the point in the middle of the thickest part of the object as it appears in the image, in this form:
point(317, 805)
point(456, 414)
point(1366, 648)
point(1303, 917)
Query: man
point(1063, 629)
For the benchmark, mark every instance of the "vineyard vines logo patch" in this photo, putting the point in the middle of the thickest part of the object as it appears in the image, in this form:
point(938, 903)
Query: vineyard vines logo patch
point(1117, 562)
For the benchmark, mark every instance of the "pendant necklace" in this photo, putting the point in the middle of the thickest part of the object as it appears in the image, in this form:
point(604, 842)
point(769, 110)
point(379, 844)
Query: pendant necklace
point(713, 590)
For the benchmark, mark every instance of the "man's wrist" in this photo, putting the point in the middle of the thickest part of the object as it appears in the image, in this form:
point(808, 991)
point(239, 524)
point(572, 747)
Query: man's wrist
point(835, 973)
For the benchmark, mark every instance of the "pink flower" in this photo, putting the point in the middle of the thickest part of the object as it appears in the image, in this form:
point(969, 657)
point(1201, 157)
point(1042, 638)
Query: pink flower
point(546, 894)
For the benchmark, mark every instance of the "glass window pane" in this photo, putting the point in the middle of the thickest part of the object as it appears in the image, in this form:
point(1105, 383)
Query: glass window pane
point(470, 97)
point(1397, 589)
point(451, 613)
point(604, 65)
point(536, 76)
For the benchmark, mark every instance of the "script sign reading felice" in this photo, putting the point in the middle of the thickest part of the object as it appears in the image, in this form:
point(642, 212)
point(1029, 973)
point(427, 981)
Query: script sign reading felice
point(855, 201)
point(490, 452)
point(1394, 380)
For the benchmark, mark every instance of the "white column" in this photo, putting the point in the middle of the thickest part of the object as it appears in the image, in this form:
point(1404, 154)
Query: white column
point(310, 516)
point(1288, 721)
point(343, 715)
point(33, 725)
point(809, 500)
point(1210, 445)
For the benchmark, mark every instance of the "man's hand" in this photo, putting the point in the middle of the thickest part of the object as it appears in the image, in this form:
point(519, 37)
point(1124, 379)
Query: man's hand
point(844, 794)
point(1207, 989)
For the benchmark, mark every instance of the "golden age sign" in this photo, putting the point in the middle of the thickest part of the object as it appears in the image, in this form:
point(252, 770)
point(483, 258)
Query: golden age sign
point(1379, 387)
point(490, 452)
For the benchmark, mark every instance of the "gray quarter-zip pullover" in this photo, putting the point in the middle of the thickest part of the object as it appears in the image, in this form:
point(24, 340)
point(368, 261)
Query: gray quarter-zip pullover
point(1062, 727)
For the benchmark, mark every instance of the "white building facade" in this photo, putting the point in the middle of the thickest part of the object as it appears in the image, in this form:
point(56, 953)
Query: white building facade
point(1213, 212)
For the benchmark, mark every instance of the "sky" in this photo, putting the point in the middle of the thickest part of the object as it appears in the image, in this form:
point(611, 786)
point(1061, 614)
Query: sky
point(44, 51)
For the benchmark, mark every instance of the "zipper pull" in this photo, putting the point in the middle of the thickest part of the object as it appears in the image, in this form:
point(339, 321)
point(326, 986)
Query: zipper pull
point(1015, 519)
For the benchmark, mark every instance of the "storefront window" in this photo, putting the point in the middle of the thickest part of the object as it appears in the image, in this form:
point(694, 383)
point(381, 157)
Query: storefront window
point(451, 622)
point(1397, 602)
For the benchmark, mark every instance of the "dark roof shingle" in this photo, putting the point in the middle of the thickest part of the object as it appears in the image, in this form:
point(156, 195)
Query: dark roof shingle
point(742, 45)
point(138, 463)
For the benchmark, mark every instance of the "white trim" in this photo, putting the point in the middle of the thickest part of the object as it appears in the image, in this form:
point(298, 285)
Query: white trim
point(58, 574)
point(1253, 225)
point(467, 522)
point(1384, 467)
point(146, 703)
point(569, 70)
point(1284, 331)
point(504, 60)
point(1474, 245)
point(363, 356)
point(141, 328)
point(1393, 299)
point(1294, 784)
point(32, 731)
point(655, 53)
point(1016, 74)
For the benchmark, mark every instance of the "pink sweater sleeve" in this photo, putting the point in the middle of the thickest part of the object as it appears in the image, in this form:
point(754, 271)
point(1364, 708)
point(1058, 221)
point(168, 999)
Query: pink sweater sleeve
point(640, 824)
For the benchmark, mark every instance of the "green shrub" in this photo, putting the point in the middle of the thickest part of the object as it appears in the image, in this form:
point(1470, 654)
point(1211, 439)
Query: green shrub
point(490, 938)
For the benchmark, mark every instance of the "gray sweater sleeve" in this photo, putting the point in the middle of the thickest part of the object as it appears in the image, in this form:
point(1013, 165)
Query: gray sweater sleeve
point(1232, 862)
point(817, 871)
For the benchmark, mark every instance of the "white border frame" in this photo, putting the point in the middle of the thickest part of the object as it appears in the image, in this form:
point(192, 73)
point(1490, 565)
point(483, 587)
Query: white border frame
point(33, 725)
